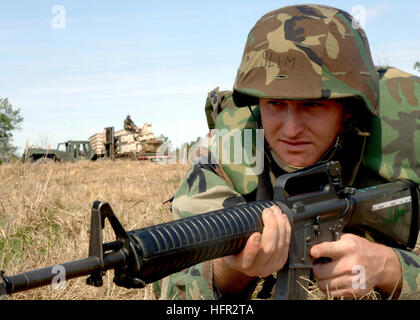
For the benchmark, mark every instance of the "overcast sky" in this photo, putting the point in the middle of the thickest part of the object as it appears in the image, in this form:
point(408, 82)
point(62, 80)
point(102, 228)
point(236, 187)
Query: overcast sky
point(155, 60)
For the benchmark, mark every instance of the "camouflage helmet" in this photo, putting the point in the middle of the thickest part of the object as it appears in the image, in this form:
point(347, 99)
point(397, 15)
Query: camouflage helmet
point(307, 52)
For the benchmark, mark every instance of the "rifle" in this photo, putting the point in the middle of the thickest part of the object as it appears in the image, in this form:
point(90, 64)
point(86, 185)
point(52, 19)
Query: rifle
point(314, 199)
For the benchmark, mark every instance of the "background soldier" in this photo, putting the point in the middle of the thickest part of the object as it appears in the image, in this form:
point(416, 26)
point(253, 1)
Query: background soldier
point(129, 125)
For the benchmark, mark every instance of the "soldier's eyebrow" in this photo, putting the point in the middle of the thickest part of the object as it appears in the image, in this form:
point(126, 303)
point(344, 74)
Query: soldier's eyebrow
point(313, 103)
point(275, 102)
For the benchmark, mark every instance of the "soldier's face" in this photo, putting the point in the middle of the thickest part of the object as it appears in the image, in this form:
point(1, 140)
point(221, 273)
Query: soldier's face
point(300, 132)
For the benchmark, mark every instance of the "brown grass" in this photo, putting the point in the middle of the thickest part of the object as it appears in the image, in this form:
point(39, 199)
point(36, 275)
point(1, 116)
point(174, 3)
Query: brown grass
point(45, 216)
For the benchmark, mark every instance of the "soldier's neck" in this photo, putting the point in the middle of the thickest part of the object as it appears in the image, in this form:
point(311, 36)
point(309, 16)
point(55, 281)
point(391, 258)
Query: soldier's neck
point(285, 166)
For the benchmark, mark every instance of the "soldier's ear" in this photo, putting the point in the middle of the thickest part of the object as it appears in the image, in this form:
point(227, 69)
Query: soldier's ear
point(347, 115)
point(347, 111)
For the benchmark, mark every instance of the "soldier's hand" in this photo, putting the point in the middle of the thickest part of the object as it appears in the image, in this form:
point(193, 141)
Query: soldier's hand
point(357, 266)
point(264, 253)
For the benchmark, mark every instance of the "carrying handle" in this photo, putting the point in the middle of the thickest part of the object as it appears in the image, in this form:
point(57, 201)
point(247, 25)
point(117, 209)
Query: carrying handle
point(316, 182)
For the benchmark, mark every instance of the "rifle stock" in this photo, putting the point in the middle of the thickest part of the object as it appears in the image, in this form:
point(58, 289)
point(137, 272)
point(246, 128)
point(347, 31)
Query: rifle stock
point(318, 208)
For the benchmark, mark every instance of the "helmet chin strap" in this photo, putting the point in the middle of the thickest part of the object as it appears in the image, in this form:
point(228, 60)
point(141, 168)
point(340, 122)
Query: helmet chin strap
point(337, 152)
point(257, 123)
point(291, 168)
point(339, 141)
point(331, 151)
point(328, 154)
point(349, 127)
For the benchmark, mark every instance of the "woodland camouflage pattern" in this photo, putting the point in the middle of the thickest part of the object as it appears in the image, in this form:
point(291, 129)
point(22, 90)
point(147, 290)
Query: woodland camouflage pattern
point(270, 70)
point(306, 52)
point(219, 185)
point(393, 148)
point(210, 184)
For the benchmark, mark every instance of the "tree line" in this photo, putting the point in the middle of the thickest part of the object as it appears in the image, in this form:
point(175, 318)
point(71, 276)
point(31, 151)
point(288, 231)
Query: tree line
point(10, 120)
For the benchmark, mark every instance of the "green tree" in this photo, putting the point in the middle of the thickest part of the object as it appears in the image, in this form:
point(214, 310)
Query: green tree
point(10, 120)
point(417, 66)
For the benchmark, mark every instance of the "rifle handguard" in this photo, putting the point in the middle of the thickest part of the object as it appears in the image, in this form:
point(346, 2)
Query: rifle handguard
point(173, 246)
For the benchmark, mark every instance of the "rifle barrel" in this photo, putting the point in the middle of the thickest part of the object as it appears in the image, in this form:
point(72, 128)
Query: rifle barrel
point(73, 269)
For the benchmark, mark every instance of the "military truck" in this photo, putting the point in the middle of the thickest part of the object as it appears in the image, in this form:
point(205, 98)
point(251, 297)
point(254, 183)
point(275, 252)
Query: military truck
point(139, 145)
point(72, 150)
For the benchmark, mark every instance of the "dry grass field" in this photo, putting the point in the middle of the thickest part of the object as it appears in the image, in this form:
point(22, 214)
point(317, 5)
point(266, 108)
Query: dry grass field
point(45, 216)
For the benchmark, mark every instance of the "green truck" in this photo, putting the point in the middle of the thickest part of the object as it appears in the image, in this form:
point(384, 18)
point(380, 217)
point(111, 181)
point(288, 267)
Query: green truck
point(72, 150)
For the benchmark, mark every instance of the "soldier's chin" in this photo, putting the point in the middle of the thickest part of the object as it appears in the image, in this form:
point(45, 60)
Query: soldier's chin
point(295, 166)
point(291, 164)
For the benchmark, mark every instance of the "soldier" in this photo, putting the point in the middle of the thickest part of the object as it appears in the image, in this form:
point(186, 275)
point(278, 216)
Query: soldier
point(308, 80)
point(129, 125)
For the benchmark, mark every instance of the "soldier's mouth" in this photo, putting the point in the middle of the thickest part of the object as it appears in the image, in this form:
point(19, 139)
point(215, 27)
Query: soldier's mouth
point(294, 145)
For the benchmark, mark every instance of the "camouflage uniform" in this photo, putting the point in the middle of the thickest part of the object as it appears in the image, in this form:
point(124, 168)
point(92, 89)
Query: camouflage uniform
point(394, 135)
point(297, 52)
point(392, 150)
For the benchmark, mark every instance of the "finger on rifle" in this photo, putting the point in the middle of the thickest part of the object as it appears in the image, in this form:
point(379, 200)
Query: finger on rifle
point(283, 227)
point(333, 250)
point(288, 228)
point(337, 266)
point(244, 259)
point(283, 241)
point(251, 249)
point(325, 271)
point(270, 235)
point(269, 241)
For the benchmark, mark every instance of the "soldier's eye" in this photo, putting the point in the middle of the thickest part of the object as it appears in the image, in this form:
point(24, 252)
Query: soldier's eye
point(312, 104)
point(276, 103)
